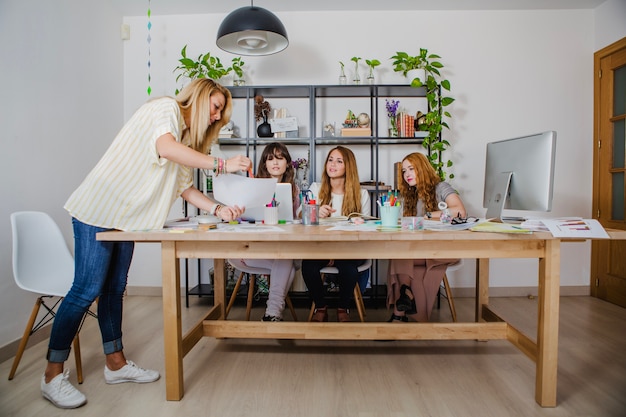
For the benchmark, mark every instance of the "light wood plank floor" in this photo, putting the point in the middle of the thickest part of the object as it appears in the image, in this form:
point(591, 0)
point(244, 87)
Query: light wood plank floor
point(267, 378)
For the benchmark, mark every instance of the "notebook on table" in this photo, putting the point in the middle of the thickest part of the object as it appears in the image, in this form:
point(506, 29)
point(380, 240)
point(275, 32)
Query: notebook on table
point(284, 200)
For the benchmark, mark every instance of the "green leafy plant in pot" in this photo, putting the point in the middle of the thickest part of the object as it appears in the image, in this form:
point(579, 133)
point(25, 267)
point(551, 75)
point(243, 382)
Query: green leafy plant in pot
point(207, 66)
point(434, 121)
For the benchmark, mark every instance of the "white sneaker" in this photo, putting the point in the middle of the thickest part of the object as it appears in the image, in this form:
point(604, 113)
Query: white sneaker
point(130, 373)
point(60, 392)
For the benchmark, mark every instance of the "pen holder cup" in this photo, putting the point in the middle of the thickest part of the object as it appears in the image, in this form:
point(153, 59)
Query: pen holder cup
point(310, 214)
point(412, 223)
point(270, 216)
point(389, 216)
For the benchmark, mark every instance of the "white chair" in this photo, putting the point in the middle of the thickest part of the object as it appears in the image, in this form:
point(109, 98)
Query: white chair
point(446, 287)
point(42, 264)
point(358, 297)
point(252, 273)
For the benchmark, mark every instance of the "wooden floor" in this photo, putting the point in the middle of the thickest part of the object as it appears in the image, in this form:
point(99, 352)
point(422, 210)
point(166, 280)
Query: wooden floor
point(267, 378)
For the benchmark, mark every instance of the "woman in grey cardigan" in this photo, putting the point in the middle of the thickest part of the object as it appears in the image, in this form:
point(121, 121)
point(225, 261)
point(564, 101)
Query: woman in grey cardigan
point(412, 284)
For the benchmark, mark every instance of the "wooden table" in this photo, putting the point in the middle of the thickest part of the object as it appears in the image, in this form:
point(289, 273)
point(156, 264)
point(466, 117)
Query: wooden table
point(316, 242)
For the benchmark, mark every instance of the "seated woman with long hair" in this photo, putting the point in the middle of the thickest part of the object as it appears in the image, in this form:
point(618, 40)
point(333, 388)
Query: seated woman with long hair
point(413, 284)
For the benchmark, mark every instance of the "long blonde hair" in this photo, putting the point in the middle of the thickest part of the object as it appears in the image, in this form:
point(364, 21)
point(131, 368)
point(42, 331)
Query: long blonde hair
point(352, 186)
point(195, 106)
point(426, 183)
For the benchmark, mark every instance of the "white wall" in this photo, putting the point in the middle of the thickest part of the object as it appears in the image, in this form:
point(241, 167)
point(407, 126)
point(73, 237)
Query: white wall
point(512, 73)
point(61, 86)
point(67, 89)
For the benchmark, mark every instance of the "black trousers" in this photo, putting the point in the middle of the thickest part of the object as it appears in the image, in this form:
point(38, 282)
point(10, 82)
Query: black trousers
point(346, 279)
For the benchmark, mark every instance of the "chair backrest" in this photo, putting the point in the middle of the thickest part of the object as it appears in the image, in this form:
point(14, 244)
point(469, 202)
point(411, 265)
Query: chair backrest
point(42, 263)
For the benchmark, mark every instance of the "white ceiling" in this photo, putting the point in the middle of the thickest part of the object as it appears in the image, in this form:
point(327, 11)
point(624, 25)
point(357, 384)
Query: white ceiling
point(169, 7)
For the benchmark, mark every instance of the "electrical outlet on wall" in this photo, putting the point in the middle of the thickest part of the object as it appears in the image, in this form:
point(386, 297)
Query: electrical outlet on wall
point(125, 31)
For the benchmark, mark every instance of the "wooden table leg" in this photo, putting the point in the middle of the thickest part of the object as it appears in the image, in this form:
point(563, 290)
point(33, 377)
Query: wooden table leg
point(548, 325)
point(172, 326)
point(219, 285)
point(482, 287)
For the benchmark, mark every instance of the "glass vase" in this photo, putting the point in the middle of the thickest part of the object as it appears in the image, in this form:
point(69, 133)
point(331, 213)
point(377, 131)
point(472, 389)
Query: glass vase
point(370, 77)
point(343, 80)
point(393, 128)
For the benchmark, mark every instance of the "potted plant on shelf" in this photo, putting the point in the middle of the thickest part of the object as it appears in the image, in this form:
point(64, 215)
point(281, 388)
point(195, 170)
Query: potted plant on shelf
point(434, 120)
point(371, 63)
point(208, 66)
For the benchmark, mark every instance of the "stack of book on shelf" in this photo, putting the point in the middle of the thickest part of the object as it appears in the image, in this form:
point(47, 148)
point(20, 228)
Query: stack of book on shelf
point(406, 125)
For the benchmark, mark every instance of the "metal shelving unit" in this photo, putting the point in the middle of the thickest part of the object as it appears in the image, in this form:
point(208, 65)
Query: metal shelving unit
point(313, 95)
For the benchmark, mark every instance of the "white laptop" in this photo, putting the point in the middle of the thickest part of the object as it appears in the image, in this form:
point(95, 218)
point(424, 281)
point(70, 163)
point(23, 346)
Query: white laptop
point(285, 205)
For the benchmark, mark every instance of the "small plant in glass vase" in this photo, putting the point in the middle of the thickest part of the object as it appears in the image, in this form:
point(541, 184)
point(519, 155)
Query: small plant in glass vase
point(357, 78)
point(237, 68)
point(434, 121)
point(371, 63)
point(343, 80)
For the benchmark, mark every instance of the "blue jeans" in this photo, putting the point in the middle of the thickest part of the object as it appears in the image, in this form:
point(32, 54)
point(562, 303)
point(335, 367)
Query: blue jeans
point(101, 271)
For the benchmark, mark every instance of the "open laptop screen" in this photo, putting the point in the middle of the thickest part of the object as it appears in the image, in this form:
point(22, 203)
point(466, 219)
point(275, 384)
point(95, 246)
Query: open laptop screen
point(285, 205)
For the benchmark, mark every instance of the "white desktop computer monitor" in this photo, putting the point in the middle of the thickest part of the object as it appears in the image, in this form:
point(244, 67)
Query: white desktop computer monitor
point(519, 174)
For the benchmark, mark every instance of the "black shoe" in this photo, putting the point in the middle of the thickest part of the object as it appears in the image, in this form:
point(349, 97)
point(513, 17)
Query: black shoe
point(393, 318)
point(406, 302)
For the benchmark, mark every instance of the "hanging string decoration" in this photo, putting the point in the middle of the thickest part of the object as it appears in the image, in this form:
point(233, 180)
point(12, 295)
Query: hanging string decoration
point(149, 39)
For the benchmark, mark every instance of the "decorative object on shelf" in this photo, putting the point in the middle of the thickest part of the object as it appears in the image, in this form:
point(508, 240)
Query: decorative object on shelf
point(226, 132)
point(301, 168)
point(350, 120)
point(237, 67)
point(363, 120)
point(252, 31)
point(434, 120)
point(283, 126)
point(328, 129)
point(371, 63)
point(262, 110)
point(343, 80)
point(392, 109)
point(357, 78)
point(351, 125)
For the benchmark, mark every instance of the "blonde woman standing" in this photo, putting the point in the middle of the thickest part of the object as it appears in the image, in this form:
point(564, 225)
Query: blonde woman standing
point(133, 186)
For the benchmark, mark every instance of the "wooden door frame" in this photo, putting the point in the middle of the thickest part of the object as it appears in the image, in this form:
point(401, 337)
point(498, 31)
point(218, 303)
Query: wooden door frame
point(597, 247)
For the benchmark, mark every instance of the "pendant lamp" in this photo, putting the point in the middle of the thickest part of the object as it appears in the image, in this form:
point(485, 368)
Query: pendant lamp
point(252, 31)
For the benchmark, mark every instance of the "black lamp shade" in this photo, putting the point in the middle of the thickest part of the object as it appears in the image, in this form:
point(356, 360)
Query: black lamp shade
point(252, 31)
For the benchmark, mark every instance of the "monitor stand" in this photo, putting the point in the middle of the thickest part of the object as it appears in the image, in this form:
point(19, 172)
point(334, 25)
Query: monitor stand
point(499, 193)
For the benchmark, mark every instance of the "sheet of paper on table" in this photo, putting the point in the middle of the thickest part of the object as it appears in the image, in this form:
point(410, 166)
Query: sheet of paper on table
point(576, 228)
point(237, 190)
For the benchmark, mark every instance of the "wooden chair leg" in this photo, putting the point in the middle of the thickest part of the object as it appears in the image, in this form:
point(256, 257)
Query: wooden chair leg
point(25, 337)
point(290, 305)
point(311, 311)
point(251, 285)
point(233, 296)
point(79, 362)
point(446, 284)
point(358, 300)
